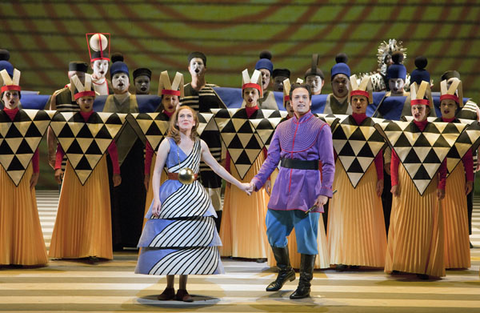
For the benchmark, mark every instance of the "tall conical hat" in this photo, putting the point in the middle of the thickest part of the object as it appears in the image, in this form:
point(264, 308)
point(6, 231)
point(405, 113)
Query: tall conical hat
point(165, 87)
point(455, 92)
point(364, 89)
point(252, 82)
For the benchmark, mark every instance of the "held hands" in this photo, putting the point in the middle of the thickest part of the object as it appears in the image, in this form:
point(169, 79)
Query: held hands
point(246, 187)
point(379, 188)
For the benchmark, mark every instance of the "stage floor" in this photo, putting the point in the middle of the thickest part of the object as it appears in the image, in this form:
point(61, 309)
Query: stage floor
point(74, 286)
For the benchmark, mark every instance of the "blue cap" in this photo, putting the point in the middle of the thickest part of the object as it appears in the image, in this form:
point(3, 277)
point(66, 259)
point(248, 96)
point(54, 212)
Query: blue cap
point(4, 64)
point(341, 67)
point(420, 73)
point(264, 62)
point(397, 69)
point(118, 66)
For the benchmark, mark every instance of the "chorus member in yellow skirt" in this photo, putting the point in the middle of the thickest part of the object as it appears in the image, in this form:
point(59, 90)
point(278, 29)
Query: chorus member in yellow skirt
point(21, 237)
point(83, 227)
point(416, 237)
point(243, 222)
point(170, 93)
point(459, 183)
point(356, 229)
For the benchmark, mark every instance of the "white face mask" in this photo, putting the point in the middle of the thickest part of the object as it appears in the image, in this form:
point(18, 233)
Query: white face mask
point(197, 67)
point(100, 68)
point(120, 82)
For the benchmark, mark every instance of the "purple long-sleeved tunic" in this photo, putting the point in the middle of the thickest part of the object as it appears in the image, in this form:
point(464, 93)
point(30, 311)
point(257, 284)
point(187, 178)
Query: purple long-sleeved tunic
point(307, 138)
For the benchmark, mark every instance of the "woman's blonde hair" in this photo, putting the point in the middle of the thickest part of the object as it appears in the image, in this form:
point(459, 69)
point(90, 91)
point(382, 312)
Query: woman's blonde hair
point(174, 131)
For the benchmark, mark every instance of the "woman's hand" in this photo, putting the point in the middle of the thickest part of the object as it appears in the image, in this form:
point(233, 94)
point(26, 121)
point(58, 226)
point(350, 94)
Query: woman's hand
point(395, 191)
point(146, 181)
point(468, 187)
point(156, 208)
point(117, 180)
point(34, 180)
point(379, 188)
point(59, 175)
point(440, 194)
point(246, 187)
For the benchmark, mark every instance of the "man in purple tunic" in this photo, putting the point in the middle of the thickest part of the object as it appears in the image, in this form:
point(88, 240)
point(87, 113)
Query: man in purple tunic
point(300, 191)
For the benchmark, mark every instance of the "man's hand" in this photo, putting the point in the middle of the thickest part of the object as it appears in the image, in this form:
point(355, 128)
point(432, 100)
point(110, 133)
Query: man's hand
point(321, 200)
point(268, 187)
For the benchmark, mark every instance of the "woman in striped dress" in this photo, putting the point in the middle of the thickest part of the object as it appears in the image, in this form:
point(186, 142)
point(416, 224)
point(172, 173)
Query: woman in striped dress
point(180, 237)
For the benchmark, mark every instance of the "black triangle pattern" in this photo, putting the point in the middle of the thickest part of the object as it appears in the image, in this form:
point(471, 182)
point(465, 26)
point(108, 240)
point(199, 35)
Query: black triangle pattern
point(356, 145)
point(422, 152)
point(85, 143)
point(470, 137)
point(20, 138)
point(245, 137)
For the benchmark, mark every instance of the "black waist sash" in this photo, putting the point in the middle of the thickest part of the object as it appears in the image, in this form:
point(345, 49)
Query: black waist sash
point(299, 164)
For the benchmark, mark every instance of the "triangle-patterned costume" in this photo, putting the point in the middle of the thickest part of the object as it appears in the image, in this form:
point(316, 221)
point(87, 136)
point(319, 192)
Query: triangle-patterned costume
point(416, 234)
point(183, 240)
point(21, 237)
point(83, 224)
point(356, 229)
point(245, 133)
point(202, 101)
point(460, 170)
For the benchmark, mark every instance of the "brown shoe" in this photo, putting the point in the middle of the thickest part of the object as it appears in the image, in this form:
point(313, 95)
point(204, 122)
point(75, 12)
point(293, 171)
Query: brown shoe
point(167, 294)
point(182, 295)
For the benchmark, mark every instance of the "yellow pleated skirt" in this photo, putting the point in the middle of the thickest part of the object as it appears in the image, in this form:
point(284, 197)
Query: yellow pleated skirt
point(243, 229)
point(149, 197)
point(457, 244)
point(321, 261)
point(83, 227)
point(416, 237)
point(21, 237)
point(356, 227)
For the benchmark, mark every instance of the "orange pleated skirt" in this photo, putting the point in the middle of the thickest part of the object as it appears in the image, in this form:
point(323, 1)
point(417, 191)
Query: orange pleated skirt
point(416, 237)
point(21, 237)
point(321, 261)
point(457, 244)
point(356, 227)
point(149, 196)
point(243, 229)
point(83, 227)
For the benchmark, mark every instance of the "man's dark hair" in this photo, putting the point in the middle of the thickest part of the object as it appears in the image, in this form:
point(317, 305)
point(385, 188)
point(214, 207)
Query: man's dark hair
point(305, 86)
